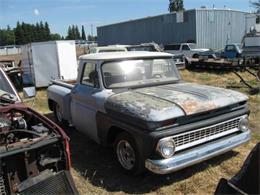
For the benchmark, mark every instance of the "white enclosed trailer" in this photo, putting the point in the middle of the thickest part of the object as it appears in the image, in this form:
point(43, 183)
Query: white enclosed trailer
point(44, 61)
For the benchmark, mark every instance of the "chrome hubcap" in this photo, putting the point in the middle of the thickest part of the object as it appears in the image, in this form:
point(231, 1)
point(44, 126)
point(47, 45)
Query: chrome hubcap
point(125, 154)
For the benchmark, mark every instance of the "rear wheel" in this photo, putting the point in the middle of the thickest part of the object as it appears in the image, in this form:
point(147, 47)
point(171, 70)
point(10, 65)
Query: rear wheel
point(58, 115)
point(127, 154)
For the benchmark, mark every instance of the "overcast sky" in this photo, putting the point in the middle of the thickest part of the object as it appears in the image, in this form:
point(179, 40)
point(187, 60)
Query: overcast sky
point(62, 13)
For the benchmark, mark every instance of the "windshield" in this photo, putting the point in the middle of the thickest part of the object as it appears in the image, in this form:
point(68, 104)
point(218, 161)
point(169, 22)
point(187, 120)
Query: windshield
point(5, 85)
point(142, 48)
point(110, 50)
point(192, 46)
point(130, 73)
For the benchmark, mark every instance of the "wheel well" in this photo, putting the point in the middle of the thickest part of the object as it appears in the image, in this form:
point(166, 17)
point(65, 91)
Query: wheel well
point(51, 104)
point(112, 134)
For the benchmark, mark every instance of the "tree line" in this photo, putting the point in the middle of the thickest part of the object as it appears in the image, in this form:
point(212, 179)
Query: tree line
point(25, 33)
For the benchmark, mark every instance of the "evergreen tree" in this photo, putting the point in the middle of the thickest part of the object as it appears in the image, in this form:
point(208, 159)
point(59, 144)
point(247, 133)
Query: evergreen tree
point(77, 34)
point(69, 34)
point(83, 35)
point(25, 33)
point(42, 34)
point(47, 32)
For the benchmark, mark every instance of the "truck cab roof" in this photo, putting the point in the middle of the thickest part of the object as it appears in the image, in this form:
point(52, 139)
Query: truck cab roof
point(124, 55)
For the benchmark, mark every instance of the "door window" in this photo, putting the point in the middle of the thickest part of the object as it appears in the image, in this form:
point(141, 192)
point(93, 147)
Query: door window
point(89, 74)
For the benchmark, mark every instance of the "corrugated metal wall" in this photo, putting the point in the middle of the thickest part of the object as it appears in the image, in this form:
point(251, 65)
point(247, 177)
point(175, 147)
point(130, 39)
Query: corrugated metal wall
point(216, 28)
point(209, 28)
point(161, 29)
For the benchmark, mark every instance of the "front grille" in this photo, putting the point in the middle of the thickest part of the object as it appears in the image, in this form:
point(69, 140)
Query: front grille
point(195, 137)
point(61, 183)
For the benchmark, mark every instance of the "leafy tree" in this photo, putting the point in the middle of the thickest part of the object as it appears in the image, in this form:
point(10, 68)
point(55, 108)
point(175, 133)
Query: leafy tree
point(176, 5)
point(55, 36)
point(83, 35)
point(256, 4)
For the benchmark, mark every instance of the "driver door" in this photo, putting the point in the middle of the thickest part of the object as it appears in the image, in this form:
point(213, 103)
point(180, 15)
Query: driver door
point(83, 102)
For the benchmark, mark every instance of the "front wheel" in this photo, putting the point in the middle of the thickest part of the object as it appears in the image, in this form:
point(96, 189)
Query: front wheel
point(195, 56)
point(58, 115)
point(127, 154)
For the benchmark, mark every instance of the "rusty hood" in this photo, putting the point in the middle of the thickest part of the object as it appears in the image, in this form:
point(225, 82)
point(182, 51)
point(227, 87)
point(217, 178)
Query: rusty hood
point(165, 102)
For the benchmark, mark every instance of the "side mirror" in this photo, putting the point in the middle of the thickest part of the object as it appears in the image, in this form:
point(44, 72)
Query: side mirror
point(29, 92)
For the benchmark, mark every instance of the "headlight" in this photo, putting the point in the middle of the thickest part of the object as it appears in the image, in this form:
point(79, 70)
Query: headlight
point(243, 124)
point(166, 148)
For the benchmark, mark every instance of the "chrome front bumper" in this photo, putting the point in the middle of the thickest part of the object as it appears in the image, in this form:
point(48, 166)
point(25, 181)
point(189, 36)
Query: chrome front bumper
point(197, 154)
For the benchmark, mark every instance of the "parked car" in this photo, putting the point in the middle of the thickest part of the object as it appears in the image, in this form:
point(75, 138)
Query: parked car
point(138, 103)
point(34, 152)
point(179, 59)
point(104, 49)
point(144, 47)
point(190, 50)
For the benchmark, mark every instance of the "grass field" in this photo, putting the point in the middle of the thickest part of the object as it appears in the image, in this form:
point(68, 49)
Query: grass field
point(96, 171)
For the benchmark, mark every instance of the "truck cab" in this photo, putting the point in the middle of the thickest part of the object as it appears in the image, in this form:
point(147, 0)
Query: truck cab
point(232, 51)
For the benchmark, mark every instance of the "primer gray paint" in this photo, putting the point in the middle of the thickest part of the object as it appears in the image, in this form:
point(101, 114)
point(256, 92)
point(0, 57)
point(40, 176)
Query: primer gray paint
point(210, 28)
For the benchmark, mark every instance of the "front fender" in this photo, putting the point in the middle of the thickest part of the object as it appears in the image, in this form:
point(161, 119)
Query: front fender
point(61, 96)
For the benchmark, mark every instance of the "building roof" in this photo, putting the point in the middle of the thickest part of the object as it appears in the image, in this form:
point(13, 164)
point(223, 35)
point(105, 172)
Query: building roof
point(197, 9)
point(124, 55)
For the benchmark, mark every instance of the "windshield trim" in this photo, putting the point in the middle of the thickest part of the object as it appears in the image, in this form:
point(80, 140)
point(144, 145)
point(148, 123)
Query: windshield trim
point(139, 85)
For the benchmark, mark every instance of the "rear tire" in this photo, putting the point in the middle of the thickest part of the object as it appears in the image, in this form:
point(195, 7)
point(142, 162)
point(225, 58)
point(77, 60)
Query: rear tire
point(127, 154)
point(58, 115)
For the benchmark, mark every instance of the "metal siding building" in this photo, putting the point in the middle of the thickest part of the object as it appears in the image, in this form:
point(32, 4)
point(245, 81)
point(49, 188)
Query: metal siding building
point(210, 28)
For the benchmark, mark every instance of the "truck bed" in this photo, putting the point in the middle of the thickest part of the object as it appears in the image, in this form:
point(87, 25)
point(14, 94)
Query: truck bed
point(64, 83)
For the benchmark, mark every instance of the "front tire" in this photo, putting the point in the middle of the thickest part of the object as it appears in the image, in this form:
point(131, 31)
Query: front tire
point(195, 56)
point(128, 155)
point(58, 115)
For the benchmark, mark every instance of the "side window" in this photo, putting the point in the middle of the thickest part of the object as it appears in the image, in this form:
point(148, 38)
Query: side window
point(185, 47)
point(88, 76)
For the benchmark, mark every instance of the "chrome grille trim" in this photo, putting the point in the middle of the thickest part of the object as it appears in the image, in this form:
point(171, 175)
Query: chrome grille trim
point(199, 136)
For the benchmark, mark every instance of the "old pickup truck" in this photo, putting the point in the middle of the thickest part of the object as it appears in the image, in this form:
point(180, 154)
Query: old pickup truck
point(34, 152)
point(137, 103)
point(190, 50)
